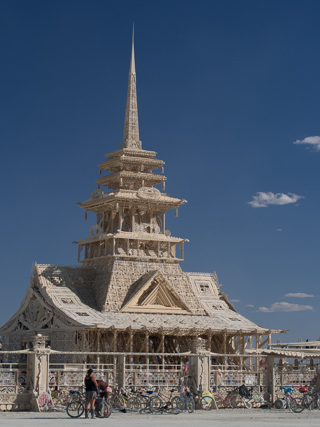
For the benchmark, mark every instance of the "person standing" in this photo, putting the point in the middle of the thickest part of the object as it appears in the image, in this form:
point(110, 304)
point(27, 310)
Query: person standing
point(91, 393)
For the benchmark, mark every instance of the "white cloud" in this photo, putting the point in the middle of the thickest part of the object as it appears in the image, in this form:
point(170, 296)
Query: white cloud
point(285, 306)
point(249, 305)
point(234, 300)
point(279, 229)
point(311, 141)
point(299, 295)
point(262, 200)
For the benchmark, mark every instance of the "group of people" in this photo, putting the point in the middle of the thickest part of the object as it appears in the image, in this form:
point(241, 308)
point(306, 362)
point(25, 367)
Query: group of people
point(94, 386)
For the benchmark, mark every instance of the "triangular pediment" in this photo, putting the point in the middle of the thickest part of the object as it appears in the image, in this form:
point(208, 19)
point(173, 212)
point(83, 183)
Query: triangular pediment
point(155, 295)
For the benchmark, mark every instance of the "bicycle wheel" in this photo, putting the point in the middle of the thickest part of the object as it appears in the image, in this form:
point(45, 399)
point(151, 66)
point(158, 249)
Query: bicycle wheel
point(171, 410)
point(247, 403)
point(233, 401)
point(219, 401)
point(106, 409)
point(133, 404)
point(117, 402)
point(155, 402)
point(143, 401)
point(75, 409)
point(190, 405)
point(207, 403)
point(177, 402)
point(296, 405)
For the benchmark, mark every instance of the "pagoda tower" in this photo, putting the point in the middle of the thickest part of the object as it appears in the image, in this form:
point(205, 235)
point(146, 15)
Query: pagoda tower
point(130, 233)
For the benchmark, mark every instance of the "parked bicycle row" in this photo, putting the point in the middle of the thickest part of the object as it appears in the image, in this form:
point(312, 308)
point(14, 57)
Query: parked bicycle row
point(176, 400)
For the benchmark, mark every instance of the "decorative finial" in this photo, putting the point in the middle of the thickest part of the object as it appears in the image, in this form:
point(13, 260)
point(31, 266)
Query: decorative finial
point(131, 123)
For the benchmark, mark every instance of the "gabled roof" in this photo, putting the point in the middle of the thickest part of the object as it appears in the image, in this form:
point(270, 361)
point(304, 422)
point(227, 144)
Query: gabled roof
point(61, 297)
point(153, 294)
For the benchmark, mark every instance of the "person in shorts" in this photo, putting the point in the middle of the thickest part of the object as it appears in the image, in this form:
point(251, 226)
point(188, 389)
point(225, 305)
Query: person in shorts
point(91, 393)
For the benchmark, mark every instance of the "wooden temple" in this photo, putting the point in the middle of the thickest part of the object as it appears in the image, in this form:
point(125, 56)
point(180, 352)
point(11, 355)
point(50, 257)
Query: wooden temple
point(129, 293)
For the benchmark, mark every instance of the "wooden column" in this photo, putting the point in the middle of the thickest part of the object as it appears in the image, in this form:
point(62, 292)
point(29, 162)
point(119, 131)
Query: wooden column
point(250, 348)
point(133, 221)
point(150, 220)
point(163, 349)
point(241, 348)
point(131, 345)
point(163, 223)
point(147, 349)
point(120, 218)
point(115, 333)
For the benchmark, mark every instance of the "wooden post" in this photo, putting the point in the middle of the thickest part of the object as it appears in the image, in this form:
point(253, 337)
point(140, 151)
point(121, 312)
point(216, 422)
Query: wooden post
point(250, 348)
point(121, 371)
point(120, 218)
point(200, 366)
point(133, 221)
point(38, 369)
point(111, 221)
point(150, 220)
point(241, 348)
point(162, 348)
point(271, 378)
point(147, 349)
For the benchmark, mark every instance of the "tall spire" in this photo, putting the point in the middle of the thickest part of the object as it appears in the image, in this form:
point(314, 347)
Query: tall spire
point(131, 123)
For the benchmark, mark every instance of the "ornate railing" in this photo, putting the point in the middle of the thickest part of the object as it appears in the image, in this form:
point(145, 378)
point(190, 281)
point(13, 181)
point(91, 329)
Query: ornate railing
point(70, 376)
point(13, 377)
point(153, 375)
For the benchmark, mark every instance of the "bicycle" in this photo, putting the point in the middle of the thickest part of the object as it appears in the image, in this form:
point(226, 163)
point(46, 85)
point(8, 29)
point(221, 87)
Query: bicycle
point(76, 408)
point(231, 400)
point(251, 400)
point(121, 400)
point(285, 402)
point(309, 400)
point(206, 400)
point(184, 402)
point(61, 397)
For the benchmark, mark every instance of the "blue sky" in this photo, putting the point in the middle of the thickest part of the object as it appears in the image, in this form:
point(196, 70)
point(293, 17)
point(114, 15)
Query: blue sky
point(228, 95)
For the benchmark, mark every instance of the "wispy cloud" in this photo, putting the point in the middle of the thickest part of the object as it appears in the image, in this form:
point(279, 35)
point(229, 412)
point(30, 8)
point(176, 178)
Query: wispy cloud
point(285, 306)
point(249, 305)
point(299, 295)
point(262, 200)
point(279, 229)
point(311, 141)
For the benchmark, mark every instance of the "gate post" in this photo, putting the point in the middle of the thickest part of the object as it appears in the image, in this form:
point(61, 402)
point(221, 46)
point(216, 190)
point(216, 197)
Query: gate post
point(271, 378)
point(121, 377)
point(199, 366)
point(38, 369)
